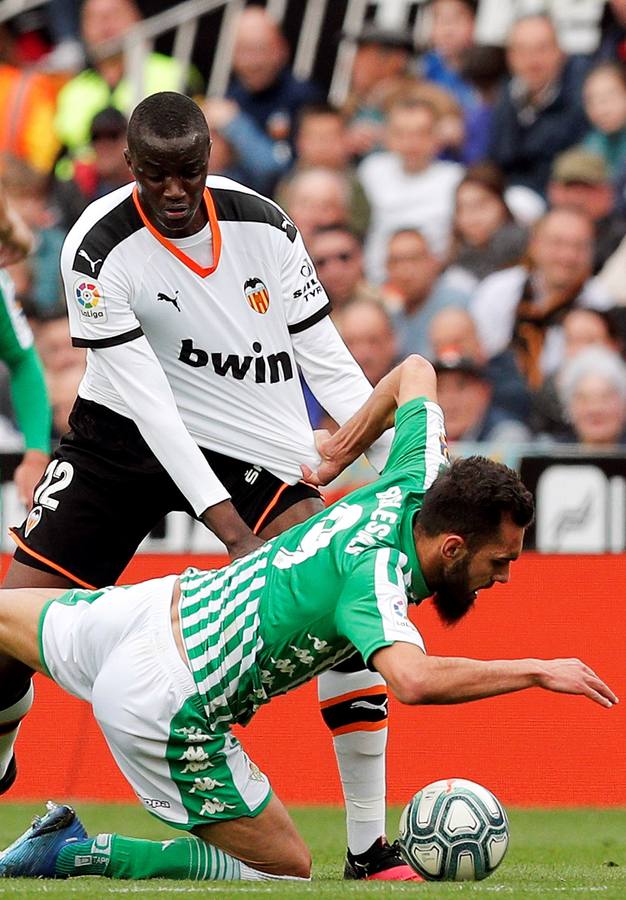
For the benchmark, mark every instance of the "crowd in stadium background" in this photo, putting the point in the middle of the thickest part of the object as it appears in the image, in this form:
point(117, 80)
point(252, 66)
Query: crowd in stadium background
point(466, 201)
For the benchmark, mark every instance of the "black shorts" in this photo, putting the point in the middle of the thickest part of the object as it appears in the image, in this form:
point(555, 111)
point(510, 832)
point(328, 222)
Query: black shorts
point(107, 491)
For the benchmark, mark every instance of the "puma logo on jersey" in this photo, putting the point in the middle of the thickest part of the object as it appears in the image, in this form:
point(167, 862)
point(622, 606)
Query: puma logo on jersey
point(273, 368)
point(174, 299)
point(93, 264)
point(289, 228)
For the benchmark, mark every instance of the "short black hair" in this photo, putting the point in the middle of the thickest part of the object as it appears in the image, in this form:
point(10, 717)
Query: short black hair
point(471, 497)
point(165, 115)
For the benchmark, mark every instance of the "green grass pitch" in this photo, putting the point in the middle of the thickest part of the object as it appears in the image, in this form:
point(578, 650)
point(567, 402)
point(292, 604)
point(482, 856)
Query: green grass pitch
point(553, 853)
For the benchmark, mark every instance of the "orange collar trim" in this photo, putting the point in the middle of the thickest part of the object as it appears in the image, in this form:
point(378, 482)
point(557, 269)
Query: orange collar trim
point(178, 253)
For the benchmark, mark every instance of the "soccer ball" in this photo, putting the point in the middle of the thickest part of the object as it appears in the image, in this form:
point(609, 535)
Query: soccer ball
point(454, 830)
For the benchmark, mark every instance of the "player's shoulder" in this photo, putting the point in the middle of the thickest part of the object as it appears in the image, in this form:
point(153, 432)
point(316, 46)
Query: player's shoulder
point(103, 226)
point(234, 202)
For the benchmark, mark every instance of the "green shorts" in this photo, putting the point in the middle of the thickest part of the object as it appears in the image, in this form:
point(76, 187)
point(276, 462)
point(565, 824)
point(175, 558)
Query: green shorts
point(115, 649)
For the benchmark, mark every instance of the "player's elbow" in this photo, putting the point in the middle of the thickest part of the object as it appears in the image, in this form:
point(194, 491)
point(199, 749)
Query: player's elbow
point(417, 366)
point(410, 690)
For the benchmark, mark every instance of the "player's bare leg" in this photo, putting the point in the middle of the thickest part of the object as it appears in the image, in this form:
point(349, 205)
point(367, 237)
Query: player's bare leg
point(354, 707)
point(268, 843)
point(16, 692)
point(266, 847)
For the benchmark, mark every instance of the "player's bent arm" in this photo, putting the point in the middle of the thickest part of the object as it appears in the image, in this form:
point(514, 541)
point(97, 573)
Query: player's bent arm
point(136, 375)
point(336, 380)
point(414, 377)
point(416, 678)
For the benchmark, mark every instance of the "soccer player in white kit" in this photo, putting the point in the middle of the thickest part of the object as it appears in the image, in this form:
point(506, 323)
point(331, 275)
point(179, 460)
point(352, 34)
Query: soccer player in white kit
point(197, 303)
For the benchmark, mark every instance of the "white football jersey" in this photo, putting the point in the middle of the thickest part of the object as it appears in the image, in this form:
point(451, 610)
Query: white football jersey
point(223, 334)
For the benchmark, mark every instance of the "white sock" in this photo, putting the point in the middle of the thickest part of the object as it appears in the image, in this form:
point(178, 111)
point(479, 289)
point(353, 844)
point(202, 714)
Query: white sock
point(250, 874)
point(12, 716)
point(361, 761)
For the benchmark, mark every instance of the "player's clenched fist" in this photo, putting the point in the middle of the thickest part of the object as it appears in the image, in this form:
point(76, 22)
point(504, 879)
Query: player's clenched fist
point(571, 676)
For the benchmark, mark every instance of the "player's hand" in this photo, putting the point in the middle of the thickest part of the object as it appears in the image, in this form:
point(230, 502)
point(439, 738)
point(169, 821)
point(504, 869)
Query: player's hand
point(225, 522)
point(329, 466)
point(244, 546)
point(571, 676)
point(28, 473)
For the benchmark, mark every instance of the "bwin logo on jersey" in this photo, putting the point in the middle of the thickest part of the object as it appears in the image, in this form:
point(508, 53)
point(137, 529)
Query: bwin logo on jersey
point(257, 295)
point(272, 368)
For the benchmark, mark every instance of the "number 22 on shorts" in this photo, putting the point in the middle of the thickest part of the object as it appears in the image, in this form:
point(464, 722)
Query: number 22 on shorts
point(57, 477)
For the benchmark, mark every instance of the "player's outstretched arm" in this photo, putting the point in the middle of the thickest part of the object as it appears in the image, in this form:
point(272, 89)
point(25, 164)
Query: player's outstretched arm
point(416, 678)
point(415, 377)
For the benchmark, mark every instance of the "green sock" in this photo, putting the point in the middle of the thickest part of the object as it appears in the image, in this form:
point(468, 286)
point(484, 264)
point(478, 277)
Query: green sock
point(114, 856)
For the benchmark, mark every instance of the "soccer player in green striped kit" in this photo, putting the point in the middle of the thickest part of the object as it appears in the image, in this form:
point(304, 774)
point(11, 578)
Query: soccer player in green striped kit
point(170, 665)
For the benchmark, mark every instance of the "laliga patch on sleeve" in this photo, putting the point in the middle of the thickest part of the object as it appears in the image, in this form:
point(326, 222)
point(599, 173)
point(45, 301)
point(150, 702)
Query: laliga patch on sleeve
point(89, 297)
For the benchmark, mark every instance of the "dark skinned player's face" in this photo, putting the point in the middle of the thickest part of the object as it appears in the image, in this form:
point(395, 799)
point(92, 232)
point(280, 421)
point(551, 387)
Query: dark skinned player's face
point(170, 175)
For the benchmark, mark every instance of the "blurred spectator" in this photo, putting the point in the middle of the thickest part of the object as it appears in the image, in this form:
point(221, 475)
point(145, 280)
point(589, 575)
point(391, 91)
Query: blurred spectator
point(451, 38)
point(592, 387)
point(54, 344)
point(104, 83)
point(523, 307)
point(485, 236)
point(464, 393)
point(380, 67)
point(322, 141)
point(366, 327)
point(94, 176)
point(337, 255)
point(406, 186)
point(582, 328)
point(539, 111)
point(317, 198)
point(27, 192)
point(67, 54)
point(612, 44)
point(604, 96)
point(416, 291)
point(262, 84)
point(484, 67)
point(27, 107)
point(239, 149)
point(580, 179)
point(454, 327)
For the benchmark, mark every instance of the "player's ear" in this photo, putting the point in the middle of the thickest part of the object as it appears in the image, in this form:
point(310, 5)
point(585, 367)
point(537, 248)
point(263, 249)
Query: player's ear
point(128, 159)
point(453, 547)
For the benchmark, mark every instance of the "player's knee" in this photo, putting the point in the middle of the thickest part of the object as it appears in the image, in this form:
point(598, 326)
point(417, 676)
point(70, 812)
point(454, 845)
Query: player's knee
point(364, 710)
point(299, 862)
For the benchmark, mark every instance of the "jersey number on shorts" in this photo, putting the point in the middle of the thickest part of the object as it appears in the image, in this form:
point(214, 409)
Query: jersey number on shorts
point(58, 476)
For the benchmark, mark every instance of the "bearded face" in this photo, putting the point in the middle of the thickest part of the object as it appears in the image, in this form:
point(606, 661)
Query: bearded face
point(453, 597)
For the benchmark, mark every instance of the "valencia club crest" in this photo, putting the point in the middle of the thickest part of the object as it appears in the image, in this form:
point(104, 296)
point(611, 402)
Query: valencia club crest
point(257, 295)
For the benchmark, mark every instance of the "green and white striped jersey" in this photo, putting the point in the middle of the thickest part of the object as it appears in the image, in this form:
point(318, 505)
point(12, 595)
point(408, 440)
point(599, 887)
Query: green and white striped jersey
point(311, 596)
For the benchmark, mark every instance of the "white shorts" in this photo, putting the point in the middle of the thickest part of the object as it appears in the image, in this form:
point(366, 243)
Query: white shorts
point(115, 648)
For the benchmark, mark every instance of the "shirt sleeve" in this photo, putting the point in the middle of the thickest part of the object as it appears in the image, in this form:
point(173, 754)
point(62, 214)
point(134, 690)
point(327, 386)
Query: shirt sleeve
point(336, 380)
point(28, 386)
point(99, 309)
point(135, 374)
point(306, 301)
point(372, 609)
point(420, 445)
